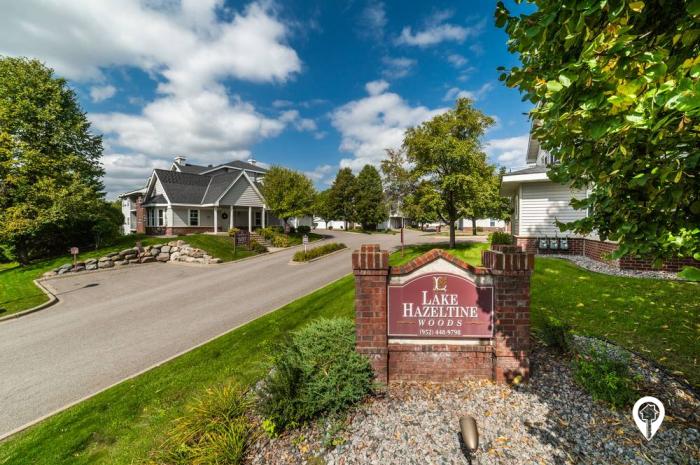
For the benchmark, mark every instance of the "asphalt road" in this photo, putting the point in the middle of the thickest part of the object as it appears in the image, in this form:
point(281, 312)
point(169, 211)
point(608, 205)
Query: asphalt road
point(111, 325)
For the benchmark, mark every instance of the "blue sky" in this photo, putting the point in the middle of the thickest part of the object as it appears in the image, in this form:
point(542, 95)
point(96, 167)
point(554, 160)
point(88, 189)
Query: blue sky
point(313, 85)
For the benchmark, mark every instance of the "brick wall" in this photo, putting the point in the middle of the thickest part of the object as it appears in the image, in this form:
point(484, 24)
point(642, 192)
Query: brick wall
point(673, 265)
point(502, 358)
point(182, 230)
point(599, 250)
point(140, 216)
point(530, 245)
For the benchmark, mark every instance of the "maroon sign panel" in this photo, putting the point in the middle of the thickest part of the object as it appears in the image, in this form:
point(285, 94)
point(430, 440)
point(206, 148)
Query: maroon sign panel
point(440, 305)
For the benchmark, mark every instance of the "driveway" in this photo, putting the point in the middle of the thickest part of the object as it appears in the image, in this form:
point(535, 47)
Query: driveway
point(112, 325)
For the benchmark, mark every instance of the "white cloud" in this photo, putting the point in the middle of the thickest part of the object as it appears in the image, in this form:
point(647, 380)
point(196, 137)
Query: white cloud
point(437, 30)
point(301, 124)
point(100, 93)
point(455, 93)
point(129, 171)
point(477, 49)
point(508, 151)
point(373, 20)
point(376, 87)
point(187, 48)
point(320, 173)
point(374, 123)
point(457, 60)
point(398, 67)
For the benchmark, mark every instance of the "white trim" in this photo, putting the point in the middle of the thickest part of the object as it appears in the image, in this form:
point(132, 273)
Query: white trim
point(530, 177)
point(137, 191)
point(226, 190)
point(234, 167)
point(165, 194)
point(189, 218)
point(257, 191)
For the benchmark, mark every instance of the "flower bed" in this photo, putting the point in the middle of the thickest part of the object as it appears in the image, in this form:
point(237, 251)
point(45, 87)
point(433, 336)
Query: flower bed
point(305, 256)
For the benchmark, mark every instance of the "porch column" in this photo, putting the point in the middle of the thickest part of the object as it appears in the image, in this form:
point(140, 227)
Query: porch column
point(263, 216)
point(250, 219)
point(216, 220)
point(230, 217)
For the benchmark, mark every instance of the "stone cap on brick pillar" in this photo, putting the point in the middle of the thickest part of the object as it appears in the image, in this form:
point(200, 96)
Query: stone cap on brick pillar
point(508, 259)
point(370, 258)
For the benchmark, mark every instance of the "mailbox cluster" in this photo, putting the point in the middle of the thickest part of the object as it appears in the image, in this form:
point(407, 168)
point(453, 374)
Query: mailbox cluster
point(553, 243)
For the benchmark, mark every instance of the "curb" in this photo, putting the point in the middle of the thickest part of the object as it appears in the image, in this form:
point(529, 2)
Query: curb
point(52, 300)
point(7, 435)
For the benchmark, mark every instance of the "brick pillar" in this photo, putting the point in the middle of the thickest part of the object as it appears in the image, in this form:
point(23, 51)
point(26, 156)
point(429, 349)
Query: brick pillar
point(371, 268)
point(511, 269)
point(140, 216)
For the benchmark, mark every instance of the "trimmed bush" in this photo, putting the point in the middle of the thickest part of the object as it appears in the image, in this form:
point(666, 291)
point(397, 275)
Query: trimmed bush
point(606, 379)
point(316, 252)
point(316, 372)
point(267, 233)
point(257, 247)
point(303, 229)
point(233, 231)
point(279, 240)
point(555, 333)
point(215, 430)
point(690, 273)
point(501, 238)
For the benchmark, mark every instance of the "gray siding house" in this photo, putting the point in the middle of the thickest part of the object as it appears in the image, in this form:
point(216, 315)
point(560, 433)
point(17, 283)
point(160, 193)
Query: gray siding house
point(192, 198)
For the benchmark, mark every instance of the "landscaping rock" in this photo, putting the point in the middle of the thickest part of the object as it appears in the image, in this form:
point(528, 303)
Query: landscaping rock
point(106, 264)
point(215, 261)
point(130, 256)
point(154, 251)
point(148, 259)
point(90, 261)
point(158, 246)
point(112, 255)
point(78, 268)
point(133, 260)
point(107, 257)
point(174, 256)
point(91, 266)
point(126, 252)
point(163, 257)
point(63, 270)
point(165, 249)
point(174, 249)
point(121, 262)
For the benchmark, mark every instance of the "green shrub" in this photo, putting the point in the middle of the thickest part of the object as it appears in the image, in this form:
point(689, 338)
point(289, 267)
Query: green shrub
point(279, 240)
point(303, 229)
point(501, 238)
point(215, 430)
point(555, 333)
point(605, 379)
point(316, 372)
point(690, 273)
point(316, 252)
point(257, 247)
point(233, 231)
point(267, 233)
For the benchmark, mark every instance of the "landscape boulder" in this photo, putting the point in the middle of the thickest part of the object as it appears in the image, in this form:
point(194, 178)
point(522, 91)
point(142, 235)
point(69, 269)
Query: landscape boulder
point(163, 257)
point(105, 264)
point(148, 259)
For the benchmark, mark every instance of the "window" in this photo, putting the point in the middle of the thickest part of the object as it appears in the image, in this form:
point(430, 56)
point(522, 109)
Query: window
point(151, 217)
point(161, 217)
point(194, 217)
point(258, 218)
point(492, 222)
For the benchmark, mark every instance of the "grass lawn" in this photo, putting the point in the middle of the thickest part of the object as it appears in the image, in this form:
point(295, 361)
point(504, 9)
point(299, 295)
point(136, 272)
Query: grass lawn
point(120, 425)
point(18, 292)
point(657, 319)
point(296, 238)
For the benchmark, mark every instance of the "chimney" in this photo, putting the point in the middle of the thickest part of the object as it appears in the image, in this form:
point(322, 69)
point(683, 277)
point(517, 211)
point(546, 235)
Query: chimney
point(252, 160)
point(180, 160)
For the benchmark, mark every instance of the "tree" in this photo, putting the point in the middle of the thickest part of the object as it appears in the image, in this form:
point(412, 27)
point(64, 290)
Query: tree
point(490, 204)
point(342, 197)
point(288, 193)
point(422, 204)
point(322, 206)
point(617, 95)
point(398, 179)
point(370, 207)
point(447, 152)
point(49, 163)
point(106, 223)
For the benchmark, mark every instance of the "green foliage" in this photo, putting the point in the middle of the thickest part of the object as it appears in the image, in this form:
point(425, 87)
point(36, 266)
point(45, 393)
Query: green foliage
point(555, 334)
point(215, 430)
point(370, 208)
point(342, 196)
point(316, 252)
point(490, 204)
point(233, 231)
point(447, 153)
point(303, 229)
point(316, 372)
point(257, 247)
point(288, 193)
point(267, 233)
point(606, 379)
point(422, 204)
point(50, 194)
point(280, 240)
point(617, 91)
point(690, 273)
point(323, 207)
point(498, 237)
point(399, 181)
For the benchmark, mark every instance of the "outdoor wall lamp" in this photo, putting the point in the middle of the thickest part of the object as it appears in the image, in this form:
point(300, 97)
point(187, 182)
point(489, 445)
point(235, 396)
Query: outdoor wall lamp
point(470, 434)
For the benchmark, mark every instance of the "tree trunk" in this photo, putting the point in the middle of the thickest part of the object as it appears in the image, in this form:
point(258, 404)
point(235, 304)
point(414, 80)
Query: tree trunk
point(452, 234)
point(473, 226)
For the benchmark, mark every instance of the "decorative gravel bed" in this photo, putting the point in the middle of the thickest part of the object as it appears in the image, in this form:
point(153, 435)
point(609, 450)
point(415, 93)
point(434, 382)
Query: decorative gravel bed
point(549, 420)
point(600, 267)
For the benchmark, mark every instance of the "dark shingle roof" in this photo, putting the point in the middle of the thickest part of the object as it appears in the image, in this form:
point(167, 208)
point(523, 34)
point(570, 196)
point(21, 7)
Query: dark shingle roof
point(183, 187)
point(157, 199)
point(218, 185)
point(238, 164)
point(530, 170)
point(193, 169)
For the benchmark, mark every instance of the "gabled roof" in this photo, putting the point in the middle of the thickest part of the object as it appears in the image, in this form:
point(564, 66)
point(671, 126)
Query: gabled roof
point(219, 184)
point(529, 170)
point(182, 187)
point(235, 164)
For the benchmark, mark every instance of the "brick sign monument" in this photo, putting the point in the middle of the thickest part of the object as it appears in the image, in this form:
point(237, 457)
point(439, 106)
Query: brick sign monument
point(437, 318)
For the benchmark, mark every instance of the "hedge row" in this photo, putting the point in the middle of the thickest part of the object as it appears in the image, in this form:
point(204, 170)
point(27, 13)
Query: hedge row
point(316, 252)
